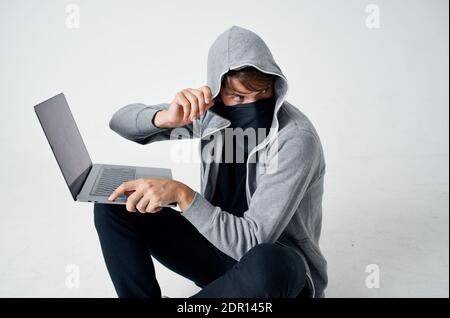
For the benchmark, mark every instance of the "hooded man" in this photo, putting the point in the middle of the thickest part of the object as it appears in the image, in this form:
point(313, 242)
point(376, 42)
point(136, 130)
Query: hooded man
point(253, 228)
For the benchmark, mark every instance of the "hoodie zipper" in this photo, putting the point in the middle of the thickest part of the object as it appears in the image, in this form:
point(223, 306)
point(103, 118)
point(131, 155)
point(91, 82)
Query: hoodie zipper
point(200, 148)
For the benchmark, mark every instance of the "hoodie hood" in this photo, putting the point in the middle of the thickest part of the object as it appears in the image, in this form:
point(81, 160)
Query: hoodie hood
point(235, 49)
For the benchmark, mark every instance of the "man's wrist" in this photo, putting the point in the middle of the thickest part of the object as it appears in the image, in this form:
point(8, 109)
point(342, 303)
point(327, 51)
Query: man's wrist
point(185, 195)
point(159, 119)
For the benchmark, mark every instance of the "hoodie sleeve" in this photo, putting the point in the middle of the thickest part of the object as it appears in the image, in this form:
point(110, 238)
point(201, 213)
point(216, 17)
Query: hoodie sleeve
point(135, 122)
point(272, 205)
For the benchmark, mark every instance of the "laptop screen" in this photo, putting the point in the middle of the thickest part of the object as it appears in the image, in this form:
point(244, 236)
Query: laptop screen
point(65, 140)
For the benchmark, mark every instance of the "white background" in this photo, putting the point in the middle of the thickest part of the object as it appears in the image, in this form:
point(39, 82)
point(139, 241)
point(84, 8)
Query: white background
point(378, 98)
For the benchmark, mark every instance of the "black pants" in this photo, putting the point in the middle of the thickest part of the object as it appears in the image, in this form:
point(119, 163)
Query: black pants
point(128, 240)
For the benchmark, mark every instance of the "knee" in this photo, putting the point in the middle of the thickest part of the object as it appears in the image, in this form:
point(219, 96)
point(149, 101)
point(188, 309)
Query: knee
point(276, 267)
point(103, 214)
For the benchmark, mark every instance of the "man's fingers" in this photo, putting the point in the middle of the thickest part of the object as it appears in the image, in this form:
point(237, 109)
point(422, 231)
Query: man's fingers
point(128, 193)
point(152, 207)
point(142, 204)
point(208, 96)
point(122, 189)
point(194, 104)
point(133, 200)
point(200, 99)
point(185, 104)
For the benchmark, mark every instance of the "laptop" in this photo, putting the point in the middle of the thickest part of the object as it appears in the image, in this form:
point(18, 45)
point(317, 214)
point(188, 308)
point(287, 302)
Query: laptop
point(87, 182)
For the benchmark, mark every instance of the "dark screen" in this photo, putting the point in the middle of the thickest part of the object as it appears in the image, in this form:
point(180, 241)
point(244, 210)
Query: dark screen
point(65, 140)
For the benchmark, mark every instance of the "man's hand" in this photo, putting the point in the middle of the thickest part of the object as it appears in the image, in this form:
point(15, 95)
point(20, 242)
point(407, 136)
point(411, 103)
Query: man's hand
point(150, 195)
point(187, 105)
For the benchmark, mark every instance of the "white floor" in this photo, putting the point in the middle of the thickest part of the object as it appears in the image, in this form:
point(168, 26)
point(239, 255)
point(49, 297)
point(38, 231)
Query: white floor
point(401, 226)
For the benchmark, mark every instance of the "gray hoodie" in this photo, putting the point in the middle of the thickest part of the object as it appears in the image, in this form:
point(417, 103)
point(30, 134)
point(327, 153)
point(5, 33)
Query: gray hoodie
point(284, 188)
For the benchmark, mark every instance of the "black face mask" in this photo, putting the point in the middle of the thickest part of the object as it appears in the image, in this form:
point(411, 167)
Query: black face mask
point(258, 114)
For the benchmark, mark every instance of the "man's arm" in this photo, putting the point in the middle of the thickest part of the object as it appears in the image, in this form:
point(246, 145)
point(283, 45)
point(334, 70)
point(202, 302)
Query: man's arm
point(138, 123)
point(135, 122)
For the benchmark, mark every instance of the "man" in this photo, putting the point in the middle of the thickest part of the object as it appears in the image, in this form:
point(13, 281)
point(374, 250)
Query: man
point(253, 229)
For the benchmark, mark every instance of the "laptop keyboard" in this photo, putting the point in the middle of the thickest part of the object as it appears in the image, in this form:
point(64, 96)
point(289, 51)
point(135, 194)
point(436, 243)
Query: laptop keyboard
point(110, 178)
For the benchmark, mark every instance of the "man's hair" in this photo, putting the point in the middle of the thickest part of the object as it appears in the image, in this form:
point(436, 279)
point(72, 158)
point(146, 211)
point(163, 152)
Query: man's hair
point(250, 77)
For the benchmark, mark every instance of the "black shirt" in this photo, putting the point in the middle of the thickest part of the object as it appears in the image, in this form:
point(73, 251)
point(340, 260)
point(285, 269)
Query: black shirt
point(230, 192)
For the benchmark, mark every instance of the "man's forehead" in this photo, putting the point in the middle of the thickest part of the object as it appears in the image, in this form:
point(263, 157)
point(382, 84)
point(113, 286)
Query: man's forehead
point(243, 91)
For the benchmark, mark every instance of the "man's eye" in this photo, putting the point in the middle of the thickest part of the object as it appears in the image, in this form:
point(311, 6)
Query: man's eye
point(238, 97)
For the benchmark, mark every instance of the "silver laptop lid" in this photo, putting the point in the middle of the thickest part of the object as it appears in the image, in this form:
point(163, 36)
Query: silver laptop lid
point(65, 140)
